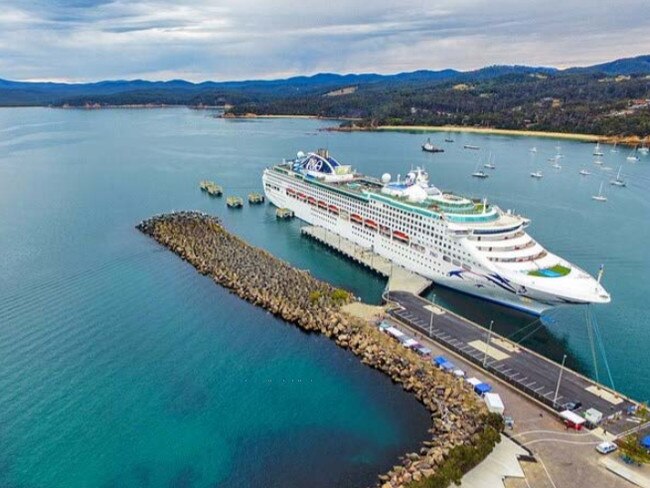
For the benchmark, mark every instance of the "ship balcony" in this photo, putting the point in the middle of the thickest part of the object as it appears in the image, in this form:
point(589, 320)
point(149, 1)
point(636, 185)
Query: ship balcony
point(522, 256)
point(498, 237)
point(524, 241)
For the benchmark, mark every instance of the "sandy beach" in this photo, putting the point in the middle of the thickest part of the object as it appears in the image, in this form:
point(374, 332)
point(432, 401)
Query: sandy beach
point(485, 130)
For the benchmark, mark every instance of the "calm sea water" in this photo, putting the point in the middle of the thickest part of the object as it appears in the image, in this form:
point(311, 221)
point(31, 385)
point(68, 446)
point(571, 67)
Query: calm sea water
point(121, 366)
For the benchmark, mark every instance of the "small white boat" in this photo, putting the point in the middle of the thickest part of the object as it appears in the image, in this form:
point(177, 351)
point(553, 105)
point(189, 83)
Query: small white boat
point(643, 149)
point(533, 149)
point(633, 157)
point(614, 149)
point(584, 172)
point(471, 146)
point(556, 165)
point(600, 197)
point(490, 164)
point(597, 150)
point(618, 181)
point(598, 161)
point(479, 174)
point(537, 174)
point(428, 147)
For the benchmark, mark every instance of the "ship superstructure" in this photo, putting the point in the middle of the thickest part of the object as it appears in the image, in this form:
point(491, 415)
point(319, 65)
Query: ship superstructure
point(465, 244)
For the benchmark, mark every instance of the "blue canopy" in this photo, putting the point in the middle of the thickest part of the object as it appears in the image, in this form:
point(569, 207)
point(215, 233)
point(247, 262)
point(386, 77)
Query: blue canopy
point(645, 442)
point(448, 365)
point(439, 360)
point(482, 388)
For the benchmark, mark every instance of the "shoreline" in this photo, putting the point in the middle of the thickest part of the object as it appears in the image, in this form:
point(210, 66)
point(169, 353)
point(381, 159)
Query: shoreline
point(492, 131)
point(462, 432)
point(278, 116)
point(605, 139)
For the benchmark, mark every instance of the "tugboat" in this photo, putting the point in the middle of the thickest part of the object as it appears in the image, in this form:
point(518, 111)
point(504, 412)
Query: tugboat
point(428, 147)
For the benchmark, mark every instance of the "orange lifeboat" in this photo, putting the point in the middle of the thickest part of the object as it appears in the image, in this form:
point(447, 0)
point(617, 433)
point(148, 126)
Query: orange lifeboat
point(356, 218)
point(322, 204)
point(334, 209)
point(311, 200)
point(302, 196)
point(400, 236)
point(371, 224)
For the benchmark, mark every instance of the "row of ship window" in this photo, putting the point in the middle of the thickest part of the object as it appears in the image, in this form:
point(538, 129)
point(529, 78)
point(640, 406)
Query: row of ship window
point(454, 259)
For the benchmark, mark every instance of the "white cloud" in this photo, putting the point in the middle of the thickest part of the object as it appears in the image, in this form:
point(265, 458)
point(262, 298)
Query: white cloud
point(219, 39)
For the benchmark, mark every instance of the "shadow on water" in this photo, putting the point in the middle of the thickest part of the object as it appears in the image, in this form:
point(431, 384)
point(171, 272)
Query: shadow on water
point(538, 334)
point(337, 463)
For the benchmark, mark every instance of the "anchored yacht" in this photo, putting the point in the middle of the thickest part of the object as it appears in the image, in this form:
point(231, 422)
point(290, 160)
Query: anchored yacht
point(462, 243)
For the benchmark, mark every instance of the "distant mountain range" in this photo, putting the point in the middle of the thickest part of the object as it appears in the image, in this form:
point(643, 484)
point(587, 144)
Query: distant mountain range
point(119, 92)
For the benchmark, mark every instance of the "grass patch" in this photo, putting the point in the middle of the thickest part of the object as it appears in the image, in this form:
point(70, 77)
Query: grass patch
point(557, 271)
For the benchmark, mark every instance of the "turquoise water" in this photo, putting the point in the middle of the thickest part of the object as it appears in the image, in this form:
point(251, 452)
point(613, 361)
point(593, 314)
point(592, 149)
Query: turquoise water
point(121, 366)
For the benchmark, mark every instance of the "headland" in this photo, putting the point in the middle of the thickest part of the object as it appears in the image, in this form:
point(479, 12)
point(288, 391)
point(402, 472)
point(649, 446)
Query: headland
point(463, 432)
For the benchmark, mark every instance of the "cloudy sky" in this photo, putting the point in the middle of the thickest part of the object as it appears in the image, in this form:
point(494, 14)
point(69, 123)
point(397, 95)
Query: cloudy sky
point(87, 40)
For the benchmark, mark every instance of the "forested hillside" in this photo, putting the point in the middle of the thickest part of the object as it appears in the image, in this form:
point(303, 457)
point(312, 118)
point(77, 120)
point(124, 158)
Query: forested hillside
point(590, 103)
point(610, 98)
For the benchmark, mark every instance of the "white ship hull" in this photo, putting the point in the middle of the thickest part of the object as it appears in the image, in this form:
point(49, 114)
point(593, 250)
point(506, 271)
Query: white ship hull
point(456, 242)
point(474, 284)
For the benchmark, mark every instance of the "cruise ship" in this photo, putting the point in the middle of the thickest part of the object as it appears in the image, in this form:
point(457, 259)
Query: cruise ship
point(465, 244)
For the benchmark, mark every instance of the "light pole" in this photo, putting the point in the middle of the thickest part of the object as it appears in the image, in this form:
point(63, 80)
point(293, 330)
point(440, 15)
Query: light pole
point(488, 343)
point(431, 321)
point(559, 378)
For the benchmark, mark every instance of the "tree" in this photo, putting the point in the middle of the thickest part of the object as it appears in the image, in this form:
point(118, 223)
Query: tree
point(630, 445)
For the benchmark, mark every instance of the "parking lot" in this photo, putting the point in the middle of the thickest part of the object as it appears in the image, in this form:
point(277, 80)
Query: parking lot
point(527, 371)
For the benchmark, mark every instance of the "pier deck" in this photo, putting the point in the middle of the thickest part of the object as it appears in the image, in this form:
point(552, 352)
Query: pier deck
point(399, 278)
point(527, 371)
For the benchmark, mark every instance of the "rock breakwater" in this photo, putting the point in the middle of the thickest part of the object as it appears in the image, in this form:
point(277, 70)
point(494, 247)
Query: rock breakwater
point(461, 426)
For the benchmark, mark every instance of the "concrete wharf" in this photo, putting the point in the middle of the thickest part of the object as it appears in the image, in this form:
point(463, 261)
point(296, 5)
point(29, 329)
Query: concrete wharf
point(527, 371)
point(399, 278)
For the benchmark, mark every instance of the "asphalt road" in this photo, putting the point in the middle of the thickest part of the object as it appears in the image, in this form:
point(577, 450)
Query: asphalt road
point(535, 376)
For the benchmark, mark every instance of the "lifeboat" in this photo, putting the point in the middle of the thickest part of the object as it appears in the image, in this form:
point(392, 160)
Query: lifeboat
point(400, 236)
point(322, 204)
point(334, 209)
point(371, 224)
point(356, 218)
point(311, 200)
point(291, 191)
point(384, 230)
point(302, 196)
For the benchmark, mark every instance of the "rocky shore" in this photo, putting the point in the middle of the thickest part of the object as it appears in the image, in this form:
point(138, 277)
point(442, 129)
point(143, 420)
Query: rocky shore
point(462, 431)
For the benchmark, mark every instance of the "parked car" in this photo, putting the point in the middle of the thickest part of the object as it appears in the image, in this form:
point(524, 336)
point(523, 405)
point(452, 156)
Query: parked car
point(606, 447)
point(573, 406)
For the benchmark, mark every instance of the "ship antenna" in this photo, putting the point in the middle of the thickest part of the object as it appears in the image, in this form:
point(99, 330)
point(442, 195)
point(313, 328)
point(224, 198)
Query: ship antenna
point(600, 272)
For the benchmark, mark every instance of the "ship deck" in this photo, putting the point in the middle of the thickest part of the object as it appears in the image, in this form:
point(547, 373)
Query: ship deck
point(447, 203)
